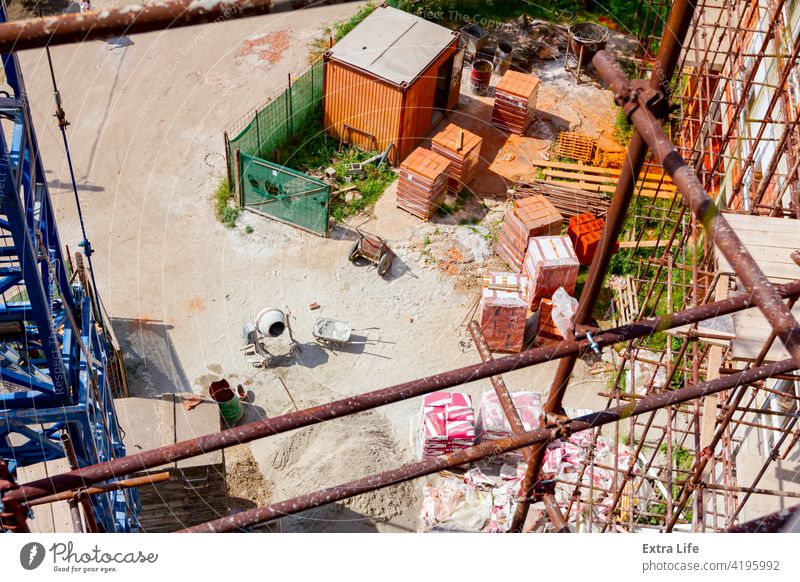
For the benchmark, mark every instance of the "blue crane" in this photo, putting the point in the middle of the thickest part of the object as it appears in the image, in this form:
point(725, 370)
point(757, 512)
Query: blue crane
point(59, 365)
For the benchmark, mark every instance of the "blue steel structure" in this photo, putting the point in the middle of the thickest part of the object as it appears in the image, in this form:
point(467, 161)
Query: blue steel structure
point(58, 371)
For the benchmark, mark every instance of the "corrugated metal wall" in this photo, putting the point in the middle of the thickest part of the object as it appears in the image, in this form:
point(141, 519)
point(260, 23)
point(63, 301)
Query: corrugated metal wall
point(379, 108)
point(363, 102)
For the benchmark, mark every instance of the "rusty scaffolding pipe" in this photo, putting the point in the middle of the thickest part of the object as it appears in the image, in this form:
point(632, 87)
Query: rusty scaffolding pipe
point(213, 442)
point(434, 464)
point(79, 27)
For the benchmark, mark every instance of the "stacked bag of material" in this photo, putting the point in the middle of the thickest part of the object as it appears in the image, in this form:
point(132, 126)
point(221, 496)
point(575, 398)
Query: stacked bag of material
point(463, 149)
point(448, 423)
point(504, 310)
point(515, 101)
point(550, 263)
point(423, 182)
point(531, 216)
point(493, 424)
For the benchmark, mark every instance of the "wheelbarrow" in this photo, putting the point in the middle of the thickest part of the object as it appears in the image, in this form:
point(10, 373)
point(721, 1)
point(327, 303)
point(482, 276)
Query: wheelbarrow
point(331, 332)
point(374, 249)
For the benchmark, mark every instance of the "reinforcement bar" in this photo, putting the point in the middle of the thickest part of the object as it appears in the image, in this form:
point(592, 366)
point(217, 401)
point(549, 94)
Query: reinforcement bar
point(118, 468)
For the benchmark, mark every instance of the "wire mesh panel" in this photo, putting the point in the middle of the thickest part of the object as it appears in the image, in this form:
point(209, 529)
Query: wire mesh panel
point(284, 194)
point(283, 117)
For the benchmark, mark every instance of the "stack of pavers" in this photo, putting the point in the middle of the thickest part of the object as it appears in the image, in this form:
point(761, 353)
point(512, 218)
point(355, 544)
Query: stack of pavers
point(463, 149)
point(585, 232)
point(448, 423)
point(504, 310)
point(550, 263)
point(515, 101)
point(493, 424)
point(423, 182)
point(531, 216)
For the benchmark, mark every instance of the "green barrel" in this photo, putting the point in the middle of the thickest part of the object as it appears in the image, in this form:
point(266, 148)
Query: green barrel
point(230, 407)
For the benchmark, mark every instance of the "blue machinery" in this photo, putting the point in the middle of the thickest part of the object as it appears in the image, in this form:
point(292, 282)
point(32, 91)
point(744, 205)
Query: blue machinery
point(59, 365)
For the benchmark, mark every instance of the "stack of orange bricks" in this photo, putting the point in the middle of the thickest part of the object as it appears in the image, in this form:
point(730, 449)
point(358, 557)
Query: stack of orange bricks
point(585, 232)
point(504, 310)
point(423, 182)
point(515, 101)
point(547, 328)
point(531, 216)
point(463, 149)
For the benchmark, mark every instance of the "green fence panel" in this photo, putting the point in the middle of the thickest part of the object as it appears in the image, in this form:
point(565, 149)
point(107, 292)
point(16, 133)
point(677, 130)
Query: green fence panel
point(288, 113)
point(285, 194)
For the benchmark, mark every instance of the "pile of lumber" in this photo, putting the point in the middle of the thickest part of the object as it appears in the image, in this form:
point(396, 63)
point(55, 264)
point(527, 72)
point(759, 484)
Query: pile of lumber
point(463, 149)
point(504, 310)
point(423, 182)
point(515, 101)
point(531, 216)
point(652, 182)
point(568, 201)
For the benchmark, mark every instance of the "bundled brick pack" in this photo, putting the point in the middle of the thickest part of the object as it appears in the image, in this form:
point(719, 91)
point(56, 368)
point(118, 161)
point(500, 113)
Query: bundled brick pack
point(493, 424)
point(504, 310)
point(550, 263)
point(463, 149)
point(423, 182)
point(448, 423)
point(585, 235)
point(547, 328)
point(531, 216)
point(515, 101)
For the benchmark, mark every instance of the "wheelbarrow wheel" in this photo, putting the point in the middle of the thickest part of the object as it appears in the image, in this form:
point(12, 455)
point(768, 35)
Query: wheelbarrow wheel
point(354, 251)
point(384, 264)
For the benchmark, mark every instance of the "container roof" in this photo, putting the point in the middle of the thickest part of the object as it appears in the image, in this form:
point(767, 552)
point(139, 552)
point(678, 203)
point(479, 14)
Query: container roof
point(393, 45)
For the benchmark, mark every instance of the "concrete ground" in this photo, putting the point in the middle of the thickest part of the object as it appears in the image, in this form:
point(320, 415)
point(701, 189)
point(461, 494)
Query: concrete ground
point(147, 115)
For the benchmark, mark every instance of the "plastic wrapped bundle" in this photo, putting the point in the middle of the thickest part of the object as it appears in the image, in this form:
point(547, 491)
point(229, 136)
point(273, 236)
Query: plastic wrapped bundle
point(493, 424)
point(448, 423)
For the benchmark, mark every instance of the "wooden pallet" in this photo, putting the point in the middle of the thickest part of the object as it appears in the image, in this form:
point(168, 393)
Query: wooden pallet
point(575, 146)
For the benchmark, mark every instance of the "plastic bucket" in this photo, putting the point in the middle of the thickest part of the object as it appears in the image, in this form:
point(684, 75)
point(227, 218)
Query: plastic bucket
point(502, 57)
point(481, 76)
point(230, 407)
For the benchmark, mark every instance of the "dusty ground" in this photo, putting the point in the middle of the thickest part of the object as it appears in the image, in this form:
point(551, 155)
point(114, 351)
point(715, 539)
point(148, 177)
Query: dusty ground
point(147, 118)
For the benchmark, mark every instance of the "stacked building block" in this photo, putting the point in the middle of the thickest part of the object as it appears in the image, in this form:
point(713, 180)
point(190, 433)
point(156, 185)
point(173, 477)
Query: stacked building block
point(515, 101)
point(423, 182)
point(463, 149)
point(585, 232)
point(547, 328)
point(493, 424)
point(448, 423)
point(531, 216)
point(550, 263)
point(504, 310)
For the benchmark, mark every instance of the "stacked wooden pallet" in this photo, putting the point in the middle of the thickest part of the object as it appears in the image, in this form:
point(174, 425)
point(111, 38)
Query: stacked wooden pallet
point(423, 182)
point(504, 310)
point(576, 146)
point(531, 216)
point(515, 101)
point(652, 182)
point(463, 149)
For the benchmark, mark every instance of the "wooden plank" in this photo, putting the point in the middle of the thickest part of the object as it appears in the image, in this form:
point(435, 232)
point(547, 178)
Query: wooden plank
point(595, 169)
point(609, 189)
point(605, 180)
point(752, 222)
point(644, 244)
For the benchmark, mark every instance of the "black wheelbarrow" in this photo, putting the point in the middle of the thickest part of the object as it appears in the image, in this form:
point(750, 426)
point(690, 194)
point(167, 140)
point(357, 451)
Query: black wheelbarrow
point(373, 249)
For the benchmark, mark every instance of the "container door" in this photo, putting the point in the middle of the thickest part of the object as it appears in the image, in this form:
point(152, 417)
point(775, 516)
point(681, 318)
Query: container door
point(455, 80)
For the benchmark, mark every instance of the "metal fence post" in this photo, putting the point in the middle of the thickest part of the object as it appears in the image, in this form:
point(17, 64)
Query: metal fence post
point(289, 104)
point(239, 190)
point(228, 161)
point(258, 134)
